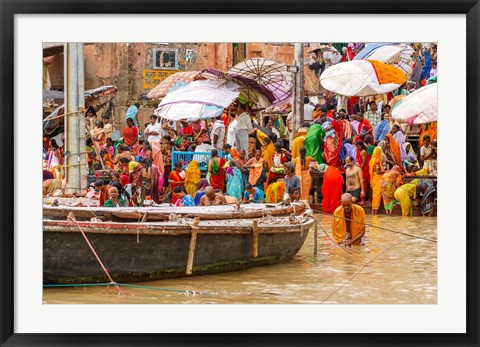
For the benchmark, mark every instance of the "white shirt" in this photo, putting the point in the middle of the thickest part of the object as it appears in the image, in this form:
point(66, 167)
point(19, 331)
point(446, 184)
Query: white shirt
point(157, 128)
point(219, 130)
point(244, 122)
point(307, 112)
point(232, 132)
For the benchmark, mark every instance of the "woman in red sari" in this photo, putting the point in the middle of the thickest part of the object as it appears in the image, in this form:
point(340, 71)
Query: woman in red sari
point(130, 136)
point(333, 142)
point(363, 161)
point(175, 178)
point(215, 168)
point(332, 189)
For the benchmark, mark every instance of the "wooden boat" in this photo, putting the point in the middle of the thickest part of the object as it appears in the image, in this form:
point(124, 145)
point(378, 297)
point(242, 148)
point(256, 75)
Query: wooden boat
point(137, 252)
point(164, 212)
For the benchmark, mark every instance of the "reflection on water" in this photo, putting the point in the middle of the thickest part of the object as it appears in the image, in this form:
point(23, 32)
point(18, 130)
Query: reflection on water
point(391, 268)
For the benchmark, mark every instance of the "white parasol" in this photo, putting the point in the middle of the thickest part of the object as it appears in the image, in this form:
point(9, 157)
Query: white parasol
point(419, 107)
point(362, 78)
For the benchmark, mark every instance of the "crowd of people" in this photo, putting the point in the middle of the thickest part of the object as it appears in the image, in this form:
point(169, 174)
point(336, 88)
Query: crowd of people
point(233, 159)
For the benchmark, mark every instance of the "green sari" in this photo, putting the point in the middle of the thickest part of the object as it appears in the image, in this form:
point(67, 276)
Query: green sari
point(314, 141)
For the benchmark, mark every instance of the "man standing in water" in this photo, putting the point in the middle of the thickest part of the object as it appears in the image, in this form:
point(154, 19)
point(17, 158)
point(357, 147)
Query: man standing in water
point(354, 180)
point(348, 223)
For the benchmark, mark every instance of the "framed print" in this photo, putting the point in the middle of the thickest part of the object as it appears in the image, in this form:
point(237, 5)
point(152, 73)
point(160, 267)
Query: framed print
point(166, 88)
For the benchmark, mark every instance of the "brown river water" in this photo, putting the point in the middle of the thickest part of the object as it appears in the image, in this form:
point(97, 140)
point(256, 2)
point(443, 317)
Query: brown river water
point(390, 269)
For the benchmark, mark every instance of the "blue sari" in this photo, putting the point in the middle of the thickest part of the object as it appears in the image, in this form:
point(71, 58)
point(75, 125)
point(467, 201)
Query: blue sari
point(382, 129)
point(235, 183)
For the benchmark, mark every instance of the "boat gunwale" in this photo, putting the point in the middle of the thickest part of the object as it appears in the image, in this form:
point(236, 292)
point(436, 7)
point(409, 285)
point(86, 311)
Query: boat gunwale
point(170, 228)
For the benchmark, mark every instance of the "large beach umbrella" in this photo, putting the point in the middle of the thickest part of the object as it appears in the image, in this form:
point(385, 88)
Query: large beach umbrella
point(199, 99)
point(188, 111)
point(419, 107)
point(178, 79)
point(250, 91)
point(396, 54)
point(362, 78)
point(219, 93)
point(268, 73)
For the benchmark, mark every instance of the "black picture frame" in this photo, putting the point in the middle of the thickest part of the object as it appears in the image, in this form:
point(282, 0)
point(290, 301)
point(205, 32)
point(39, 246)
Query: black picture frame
point(10, 8)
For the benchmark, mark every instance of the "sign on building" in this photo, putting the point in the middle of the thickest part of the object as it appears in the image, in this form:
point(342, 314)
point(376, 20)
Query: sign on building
point(165, 58)
point(152, 78)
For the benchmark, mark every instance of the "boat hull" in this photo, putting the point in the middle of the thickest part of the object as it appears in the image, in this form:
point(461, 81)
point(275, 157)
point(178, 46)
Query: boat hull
point(133, 254)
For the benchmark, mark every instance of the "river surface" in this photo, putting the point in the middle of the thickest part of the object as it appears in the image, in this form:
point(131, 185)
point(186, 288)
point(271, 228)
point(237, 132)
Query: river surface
point(391, 268)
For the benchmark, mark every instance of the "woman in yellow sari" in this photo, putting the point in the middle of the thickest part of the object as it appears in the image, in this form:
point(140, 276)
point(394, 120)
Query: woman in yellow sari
point(302, 171)
point(275, 191)
point(192, 178)
point(390, 181)
point(376, 173)
point(405, 194)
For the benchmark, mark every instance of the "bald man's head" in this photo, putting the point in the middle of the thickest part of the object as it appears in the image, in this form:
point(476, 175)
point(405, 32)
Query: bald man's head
point(210, 192)
point(346, 202)
point(346, 197)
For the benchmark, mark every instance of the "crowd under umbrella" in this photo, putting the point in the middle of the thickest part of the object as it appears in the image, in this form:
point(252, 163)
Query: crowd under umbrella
point(362, 78)
point(268, 73)
point(419, 107)
point(173, 82)
point(199, 100)
point(396, 54)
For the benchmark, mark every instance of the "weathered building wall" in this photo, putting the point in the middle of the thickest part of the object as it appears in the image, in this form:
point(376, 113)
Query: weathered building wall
point(123, 65)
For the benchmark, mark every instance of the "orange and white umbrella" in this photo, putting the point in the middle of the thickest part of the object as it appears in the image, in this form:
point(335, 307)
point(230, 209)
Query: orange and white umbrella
point(362, 78)
point(163, 88)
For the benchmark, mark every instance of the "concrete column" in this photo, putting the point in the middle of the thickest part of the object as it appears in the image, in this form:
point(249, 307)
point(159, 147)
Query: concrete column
point(75, 157)
point(298, 94)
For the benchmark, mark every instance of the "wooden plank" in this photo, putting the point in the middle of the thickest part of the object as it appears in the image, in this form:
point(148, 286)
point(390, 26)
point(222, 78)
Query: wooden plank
point(255, 238)
point(193, 242)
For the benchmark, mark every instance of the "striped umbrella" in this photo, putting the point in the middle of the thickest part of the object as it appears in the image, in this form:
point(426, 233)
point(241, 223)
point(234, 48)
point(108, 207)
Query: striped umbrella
point(179, 78)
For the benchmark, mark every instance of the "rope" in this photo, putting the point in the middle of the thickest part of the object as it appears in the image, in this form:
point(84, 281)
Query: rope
point(333, 241)
point(185, 291)
point(71, 218)
point(386, 229)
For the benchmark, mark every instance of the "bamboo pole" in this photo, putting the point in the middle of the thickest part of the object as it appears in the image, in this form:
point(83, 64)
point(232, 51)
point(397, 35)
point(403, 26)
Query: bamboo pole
point(193, 242)
point(315, 238)
point(255, 238)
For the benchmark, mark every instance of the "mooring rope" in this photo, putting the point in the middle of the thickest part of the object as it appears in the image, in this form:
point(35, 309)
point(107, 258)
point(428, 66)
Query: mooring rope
point(184, 291)
point(71, 217)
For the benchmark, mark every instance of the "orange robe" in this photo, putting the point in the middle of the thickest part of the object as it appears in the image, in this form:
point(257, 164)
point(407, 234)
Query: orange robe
point(305, 179)
point(339, 224)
